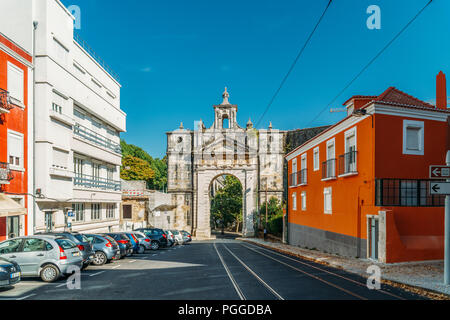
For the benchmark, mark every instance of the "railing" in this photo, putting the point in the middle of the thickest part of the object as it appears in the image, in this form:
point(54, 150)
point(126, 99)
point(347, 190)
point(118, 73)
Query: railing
point(329, 169)
point(303, 176)
point(5, 102)
point(406, 193)
point(96, 138)
point(92, 182)
point(347, 163)
point(95, 56)
point(293, 179)
point(5, 172)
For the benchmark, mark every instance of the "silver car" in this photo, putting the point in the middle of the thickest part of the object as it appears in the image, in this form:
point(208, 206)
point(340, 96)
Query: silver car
point(47, 256)
point(104, 249)
point(178, 237)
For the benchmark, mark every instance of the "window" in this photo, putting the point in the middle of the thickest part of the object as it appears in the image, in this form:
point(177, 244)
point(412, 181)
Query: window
point(10, 246)
point(110, 210)
point(60, 158)
point(316, 159)
point(303, 170)
point(78, 210)
point(58, 102)
point(347, 161)
point(33, 244)
point(110, 173)
point(78, 166)
point(15, 83)
point(294, 201)
point(127, 211)
point(303, 196)
point(327, 200)
point(15, 149)
point(95, 211)
point(413, 137)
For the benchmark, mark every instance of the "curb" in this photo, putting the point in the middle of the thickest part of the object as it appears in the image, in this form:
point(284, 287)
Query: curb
point(428, 293)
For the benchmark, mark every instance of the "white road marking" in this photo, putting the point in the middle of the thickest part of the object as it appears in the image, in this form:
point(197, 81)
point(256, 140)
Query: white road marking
point(95, 274)
point(236, 287)
point(115, 267)
point(254, 274)
point(132, 261)
point(61, 285)
point(23, 298)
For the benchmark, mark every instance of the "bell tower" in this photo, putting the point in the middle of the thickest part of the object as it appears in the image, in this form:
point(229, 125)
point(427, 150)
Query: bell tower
point(225, 114)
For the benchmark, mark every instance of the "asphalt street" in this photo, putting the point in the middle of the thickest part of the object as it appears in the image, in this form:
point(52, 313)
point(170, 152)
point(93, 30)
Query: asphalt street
point(221, 269)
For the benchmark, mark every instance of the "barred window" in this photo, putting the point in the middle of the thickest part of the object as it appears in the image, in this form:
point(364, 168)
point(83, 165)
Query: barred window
point(95, 211)
point(78, 210)
point(110, 210)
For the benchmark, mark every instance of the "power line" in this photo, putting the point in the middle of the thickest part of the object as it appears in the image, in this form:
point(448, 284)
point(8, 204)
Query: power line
point(370, 62)
point(293, 65)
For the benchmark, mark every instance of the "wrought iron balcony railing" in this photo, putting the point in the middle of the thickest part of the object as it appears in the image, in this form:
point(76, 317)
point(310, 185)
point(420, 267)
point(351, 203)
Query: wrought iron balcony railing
point(347, 163)
point(92, 182)
point(302, 174)
point(406, 193)
point(329, 169)
point(5, 101)
point(96, 138)
point(5, 172)
point(293, 179)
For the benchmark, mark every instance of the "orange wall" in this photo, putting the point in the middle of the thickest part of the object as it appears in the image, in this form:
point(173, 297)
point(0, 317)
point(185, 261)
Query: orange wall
point(16, 120)
point(350, 195)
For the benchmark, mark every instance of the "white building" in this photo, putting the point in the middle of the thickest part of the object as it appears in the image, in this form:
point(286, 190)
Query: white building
point(77, 121)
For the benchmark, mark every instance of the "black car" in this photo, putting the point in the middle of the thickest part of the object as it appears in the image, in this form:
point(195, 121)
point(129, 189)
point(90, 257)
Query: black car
point(157, 236)
point(122, 239)
point(9, 273)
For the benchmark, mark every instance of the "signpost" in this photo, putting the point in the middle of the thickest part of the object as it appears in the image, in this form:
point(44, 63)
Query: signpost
point(439, 172)
point(440, 188)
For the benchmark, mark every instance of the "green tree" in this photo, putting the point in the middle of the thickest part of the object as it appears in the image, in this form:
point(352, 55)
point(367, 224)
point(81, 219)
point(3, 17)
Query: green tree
point(134, 168)
point(275, 208)
point(158, 166)
point(226, 205)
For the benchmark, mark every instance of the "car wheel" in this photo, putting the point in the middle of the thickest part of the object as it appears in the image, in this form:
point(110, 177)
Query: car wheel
point(99, 258)
point(141, 249)
point(155, 245)
point(49, 273)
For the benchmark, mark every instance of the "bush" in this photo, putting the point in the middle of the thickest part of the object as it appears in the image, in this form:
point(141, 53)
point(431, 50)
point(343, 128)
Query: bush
point(275, 225)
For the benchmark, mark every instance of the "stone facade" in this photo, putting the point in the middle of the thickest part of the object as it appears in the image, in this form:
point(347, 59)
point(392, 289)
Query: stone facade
point(197, 157)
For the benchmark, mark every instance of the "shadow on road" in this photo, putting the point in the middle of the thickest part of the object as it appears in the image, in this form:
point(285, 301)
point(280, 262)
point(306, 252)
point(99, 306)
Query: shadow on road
point(227, 234)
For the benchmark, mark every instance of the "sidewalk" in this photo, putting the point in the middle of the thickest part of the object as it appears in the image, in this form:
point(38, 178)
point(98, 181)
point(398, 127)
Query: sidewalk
point(425, 278)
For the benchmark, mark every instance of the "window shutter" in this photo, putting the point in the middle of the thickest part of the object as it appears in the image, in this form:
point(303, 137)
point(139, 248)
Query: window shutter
point(412, 138)
point(15, 82)
point(60, 158)
point(127, 211)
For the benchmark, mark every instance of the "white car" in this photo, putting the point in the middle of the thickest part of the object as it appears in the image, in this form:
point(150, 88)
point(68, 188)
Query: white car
point(178, 236)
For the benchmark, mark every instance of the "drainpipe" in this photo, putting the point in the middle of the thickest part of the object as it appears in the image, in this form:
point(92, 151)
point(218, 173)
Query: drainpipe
point(35, 25)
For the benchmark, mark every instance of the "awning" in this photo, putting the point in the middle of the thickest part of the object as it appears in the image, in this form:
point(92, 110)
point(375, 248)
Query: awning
point(9, 207)
point(165, 207)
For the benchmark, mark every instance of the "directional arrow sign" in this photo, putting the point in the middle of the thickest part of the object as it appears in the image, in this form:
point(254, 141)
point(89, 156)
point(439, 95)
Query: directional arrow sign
point(440, 188)
point(439, 172)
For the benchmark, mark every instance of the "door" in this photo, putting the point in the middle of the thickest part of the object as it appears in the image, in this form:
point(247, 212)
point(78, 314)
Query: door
point(34, 252)
point(373, 238)
point(10, 249)
point(49, 221)
point(13, 224)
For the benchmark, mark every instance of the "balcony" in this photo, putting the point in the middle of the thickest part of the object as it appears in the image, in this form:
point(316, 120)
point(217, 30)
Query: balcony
point(347, 163)
point(5, 173)
point(293, 179)
point(5, 102)
point(91, 182)
point(96, 138)
point(329, 169)
point(302, 175)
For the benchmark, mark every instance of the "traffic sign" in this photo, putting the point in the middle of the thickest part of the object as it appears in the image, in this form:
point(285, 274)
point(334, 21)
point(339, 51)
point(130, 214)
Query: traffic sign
point(439, 172)
point(440, 188)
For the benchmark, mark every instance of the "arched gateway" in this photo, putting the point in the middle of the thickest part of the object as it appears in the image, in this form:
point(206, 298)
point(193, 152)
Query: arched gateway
point(196, 157)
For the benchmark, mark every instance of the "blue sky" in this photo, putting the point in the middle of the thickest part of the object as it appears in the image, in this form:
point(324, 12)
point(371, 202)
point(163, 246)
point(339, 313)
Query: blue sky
point(175, 57)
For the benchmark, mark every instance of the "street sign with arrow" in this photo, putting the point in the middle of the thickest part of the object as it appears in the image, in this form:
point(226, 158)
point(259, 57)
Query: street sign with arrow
point(440, 188)
point(439, 172)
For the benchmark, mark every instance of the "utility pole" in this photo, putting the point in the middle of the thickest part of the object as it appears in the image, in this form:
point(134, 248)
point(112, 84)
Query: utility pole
point(267, 205)
point(447, 216)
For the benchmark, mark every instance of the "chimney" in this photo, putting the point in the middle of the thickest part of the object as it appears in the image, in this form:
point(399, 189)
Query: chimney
point(441, 91)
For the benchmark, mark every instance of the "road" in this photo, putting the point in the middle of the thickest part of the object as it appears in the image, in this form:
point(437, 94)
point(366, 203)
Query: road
point(221, 269)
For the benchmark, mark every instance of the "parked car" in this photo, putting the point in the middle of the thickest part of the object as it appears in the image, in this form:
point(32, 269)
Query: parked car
point(123, 239)
point(144, 241)
point(46, 256)
point(178, 237)
point(157, 236)
point(9, 273)
point(170, 237)
point(121, 246)
point(186, 236)
point(80, 240)
point(104, 249)
point(134, 241)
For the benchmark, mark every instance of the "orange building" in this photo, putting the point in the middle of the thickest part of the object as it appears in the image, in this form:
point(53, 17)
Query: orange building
point(361, 187)
point(15, 66)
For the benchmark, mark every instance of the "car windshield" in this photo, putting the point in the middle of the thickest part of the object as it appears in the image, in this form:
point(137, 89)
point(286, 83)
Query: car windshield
point(81, 237)
point(138, 235)
point(65, 243)
point(175, 232)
